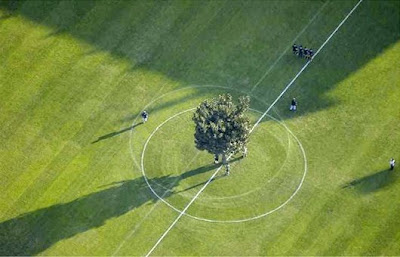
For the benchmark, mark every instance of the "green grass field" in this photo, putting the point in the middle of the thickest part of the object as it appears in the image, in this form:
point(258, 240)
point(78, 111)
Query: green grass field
point(75, 75)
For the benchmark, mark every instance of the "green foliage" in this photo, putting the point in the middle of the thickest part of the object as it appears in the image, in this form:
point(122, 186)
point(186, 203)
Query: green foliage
point(221, 125)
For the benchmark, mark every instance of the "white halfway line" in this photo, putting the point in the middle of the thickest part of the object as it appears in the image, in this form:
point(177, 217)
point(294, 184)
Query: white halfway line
point(305, 66)
point(259, 81)
point(287, 48)
point(258, 122)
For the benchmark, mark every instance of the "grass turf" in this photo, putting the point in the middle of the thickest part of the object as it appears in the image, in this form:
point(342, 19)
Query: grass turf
point(75, 74)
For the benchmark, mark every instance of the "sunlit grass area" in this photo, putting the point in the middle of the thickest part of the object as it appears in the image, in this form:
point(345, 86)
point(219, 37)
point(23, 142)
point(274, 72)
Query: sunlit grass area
point(80, 174)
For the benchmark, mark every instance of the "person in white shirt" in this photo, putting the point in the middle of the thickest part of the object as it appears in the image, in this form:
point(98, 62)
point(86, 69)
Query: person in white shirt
point(392, 163)
point(216, 158)
point(227, 170)
point(244, 152)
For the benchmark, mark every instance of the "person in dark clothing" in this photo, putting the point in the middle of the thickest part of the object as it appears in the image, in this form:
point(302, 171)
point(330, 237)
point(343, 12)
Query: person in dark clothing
point(145, 116)
point(392, 162)
point(293, 105)
point(294, 48)
point(301, 51)
point(307, 53)
point(311, 53)
point(216, 158)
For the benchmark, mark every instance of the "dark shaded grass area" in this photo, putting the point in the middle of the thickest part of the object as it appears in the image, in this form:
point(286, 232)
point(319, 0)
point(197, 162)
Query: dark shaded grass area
point(34, 232)
point(374, 27)
point(373, 182)
point(116, 133)
point(216, 56)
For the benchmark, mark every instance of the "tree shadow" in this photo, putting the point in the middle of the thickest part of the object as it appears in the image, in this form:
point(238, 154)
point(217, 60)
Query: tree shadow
point(33, 232)
point(222, 47)
point(207, 168)
point(5, 17)
point(199, 184)
point(116, 133)
point(373, 182)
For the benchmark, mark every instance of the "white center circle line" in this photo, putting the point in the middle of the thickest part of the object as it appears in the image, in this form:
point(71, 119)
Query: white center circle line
point(213, 220)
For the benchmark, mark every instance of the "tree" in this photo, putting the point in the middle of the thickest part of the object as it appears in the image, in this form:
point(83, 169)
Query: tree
point(222, 128)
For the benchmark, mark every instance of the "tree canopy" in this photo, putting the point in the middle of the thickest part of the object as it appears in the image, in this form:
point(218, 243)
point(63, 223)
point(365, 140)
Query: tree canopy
point(221, 125)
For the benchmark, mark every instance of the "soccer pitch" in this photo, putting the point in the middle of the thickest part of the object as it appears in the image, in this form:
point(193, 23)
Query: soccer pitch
point(81, 175)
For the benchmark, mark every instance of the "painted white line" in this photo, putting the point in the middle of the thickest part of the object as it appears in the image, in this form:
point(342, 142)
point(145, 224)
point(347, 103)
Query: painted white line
point(259, 120)
point(147, 214)
point(132, 153)
point(306, 65)
point(184, 210)
point(161, 198)
point(262, 78)
point(135, 228)
point(187, 166)
point(292, 42)
point(337, 28)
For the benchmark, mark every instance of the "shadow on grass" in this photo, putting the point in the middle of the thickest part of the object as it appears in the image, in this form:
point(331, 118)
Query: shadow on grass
point(159, 37)
point(153, 109)
point(32, 233)
point(207, 168)
point(116, 133)
point(373, 182)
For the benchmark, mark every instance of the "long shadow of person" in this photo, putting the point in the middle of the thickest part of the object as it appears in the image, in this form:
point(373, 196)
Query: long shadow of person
point(116, 133)
point(33, 232)
point(374, 182)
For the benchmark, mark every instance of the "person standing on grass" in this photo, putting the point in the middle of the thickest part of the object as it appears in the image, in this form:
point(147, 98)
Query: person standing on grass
point(293, 106)
point(392, 162)
point(294, 49)
point(244, 152)
point(216, 158)
point(306, 52)
point(301, 51)
point(145, 116)
point(311, 53)
point(227, 170)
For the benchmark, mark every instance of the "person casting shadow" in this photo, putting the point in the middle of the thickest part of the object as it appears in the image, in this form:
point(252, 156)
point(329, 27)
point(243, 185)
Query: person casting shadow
point(116, 133)
point(373, 182)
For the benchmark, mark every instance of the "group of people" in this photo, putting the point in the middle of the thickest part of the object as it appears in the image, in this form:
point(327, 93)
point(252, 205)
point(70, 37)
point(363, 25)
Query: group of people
point(302, 52)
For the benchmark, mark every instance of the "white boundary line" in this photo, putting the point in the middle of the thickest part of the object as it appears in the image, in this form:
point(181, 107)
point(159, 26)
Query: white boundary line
point(234, 196)
point(144, 218)
point(292, 42)
point(224, 221)
point(262, 78)
point(132, 153)
point(338, 27)
point(305, 66)
point(259, 120)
